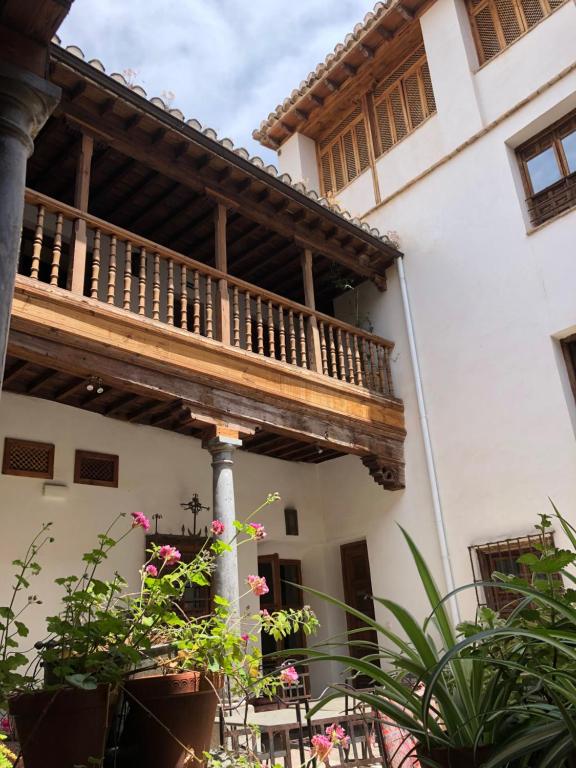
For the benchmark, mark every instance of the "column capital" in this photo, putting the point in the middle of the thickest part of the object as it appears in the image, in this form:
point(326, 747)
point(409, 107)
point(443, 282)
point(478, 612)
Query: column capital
point(26, 102)
point(221, 443)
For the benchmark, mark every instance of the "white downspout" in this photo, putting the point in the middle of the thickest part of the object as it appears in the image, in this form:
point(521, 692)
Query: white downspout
point(432, 476)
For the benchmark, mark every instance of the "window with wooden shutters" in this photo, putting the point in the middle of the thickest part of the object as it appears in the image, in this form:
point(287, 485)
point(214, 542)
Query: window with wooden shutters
point(548, 166)
point(403, 100)
point(344, 152)
point(498, 23)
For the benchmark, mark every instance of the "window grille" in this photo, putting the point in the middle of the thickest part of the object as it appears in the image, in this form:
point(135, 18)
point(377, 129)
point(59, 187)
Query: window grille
point(498, 23)
point(548, 166)
point(403, 100)
point(96, 469)
point(502, 556)
point(344, 152)
point(27, 458)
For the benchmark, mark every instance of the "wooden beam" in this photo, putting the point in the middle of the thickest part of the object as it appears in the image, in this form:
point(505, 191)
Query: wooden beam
point(119, 404)
point(313, 335)
point(103, 189)
point(69, 389)
point(17, 368)
point(279, 416)
point(405, 12)
point(143, 214)
point(221, 262)
point(78, 244)
point(40, 380)
point(129, 195)
point(205, 180)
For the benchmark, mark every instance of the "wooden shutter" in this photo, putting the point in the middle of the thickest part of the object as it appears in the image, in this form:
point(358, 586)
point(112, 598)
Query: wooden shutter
point(344, 152)
point(92, 468)
point(26, 458)
point(403, 100)
point(498, 23)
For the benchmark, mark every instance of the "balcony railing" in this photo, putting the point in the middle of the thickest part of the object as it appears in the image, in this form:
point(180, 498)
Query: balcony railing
point(125, 270)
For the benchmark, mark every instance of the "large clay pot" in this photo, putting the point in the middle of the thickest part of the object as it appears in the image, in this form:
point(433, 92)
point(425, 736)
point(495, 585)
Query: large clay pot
point(62, 728)
point(465, 757)
point(166, 712)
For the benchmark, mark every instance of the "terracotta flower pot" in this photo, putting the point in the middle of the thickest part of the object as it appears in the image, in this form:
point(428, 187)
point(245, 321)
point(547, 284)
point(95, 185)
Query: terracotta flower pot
point(62, 728)
point(465, 757)
point(185, 704)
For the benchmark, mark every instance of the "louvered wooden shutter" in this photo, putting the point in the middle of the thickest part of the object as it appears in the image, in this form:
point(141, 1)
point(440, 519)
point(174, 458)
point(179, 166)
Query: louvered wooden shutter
point(498, 23)
point(403, 100)
point(344, 152)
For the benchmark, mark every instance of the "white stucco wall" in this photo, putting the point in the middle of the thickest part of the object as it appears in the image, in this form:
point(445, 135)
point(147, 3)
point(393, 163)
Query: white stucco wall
point(490, 299)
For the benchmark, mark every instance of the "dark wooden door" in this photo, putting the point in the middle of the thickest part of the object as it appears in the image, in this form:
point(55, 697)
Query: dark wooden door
point(358, 595)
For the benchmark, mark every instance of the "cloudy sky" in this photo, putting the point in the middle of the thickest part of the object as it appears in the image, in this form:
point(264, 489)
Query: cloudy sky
point(227, 62)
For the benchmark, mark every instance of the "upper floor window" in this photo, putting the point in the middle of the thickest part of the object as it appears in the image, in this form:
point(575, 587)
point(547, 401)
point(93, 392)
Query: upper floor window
point(548, 165)
point(399, 103)
point(498, 23)
point(403, 100)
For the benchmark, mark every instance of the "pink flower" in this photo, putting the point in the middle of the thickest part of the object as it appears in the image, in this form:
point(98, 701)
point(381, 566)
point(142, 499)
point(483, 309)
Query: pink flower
point(258, 585)
point(151, 570)
point(264, 613)
point(321, 746)
point(139, 520)
point(258, 531)
point(169, 554)
point(337, 735)
point(289, 676)
point(5, 725)
point(217, 527)
point(244, 638)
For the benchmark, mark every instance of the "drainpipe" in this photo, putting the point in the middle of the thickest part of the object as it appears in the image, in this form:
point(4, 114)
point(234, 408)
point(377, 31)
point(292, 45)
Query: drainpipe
point(432, 476)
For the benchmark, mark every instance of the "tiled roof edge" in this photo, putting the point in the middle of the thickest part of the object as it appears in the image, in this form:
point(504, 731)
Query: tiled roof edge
point(211, 134)
point(324, 67)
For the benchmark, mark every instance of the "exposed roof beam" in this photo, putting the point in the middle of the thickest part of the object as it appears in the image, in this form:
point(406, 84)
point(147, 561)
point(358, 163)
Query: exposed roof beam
point(19, 366)
point(103, 189)
point(40, 380)
point(405, 12)
point(143, 213)
point(119, 403)
point(142, 184)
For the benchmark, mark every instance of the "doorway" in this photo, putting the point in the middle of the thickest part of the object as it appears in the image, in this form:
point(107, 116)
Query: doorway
point(358, 595)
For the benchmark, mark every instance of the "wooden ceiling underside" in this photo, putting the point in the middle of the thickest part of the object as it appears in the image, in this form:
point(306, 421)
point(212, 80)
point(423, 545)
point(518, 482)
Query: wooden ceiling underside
point(34, 380)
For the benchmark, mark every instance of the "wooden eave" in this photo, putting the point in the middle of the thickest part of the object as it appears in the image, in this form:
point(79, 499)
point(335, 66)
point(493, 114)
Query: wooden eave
point(122, 119)
point(379, 49)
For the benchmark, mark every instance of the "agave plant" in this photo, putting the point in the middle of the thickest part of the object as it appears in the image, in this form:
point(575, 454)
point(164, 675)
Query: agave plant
point(499, 692)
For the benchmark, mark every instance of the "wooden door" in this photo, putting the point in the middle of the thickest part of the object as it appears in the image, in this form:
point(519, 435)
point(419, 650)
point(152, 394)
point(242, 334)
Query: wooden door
point(358, 595)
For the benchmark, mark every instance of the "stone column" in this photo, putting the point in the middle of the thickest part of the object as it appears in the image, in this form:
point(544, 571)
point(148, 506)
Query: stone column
point(225, 581)
point(26, 102)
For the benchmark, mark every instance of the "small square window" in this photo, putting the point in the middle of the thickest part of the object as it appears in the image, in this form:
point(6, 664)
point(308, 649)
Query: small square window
point(26, 458)
point(92, 468)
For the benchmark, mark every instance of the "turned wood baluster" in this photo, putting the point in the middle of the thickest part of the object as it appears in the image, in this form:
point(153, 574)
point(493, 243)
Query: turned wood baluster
point(248, 322)
point(292, 337)
point(303, 341)
point(127, 277)
point(388, 370)
point(170, 299)
point(209, 316)
point(368, 364)
point(111, 293)
point(349, 359)
point(95, 277)
point(196, 303)
point(323, 349)
point(142, 283)
point(271, 338)
point(183, 297)
point(156, 288)
point(282, 334)
point(357, 361)
point(259, 326)
point(332, 350)
point(56, 250)
point(378, 381)
point(235, 317)
point(37, 247)
point(341, 366)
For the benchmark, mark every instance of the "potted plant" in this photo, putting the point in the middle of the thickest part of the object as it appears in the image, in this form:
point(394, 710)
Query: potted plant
point(172, 707)
point(492, 693)
point(88, 650)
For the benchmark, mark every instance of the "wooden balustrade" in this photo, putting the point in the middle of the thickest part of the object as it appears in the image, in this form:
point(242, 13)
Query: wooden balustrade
point(168, 287)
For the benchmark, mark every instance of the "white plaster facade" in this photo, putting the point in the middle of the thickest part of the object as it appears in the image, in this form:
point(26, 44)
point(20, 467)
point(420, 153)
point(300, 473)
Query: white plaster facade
point(490, 299)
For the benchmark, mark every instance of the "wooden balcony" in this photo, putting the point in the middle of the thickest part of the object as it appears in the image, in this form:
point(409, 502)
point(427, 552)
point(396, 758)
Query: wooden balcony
point(94, 299)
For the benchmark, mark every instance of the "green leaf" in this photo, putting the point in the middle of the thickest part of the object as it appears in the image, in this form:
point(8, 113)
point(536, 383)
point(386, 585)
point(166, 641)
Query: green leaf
point(82, 681)
point(21, 628)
